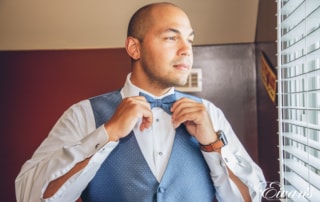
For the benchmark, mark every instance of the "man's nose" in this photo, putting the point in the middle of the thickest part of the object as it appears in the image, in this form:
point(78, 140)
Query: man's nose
point(185, 48)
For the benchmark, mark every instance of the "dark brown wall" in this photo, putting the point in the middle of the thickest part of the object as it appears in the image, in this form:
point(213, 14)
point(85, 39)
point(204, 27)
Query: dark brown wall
point(266, 36)
point(266, 22)
point(37, 86)
point(229, 81)
point(267, 118)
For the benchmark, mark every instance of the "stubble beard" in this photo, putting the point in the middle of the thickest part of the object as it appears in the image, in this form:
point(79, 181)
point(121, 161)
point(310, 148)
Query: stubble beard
point(163, 82)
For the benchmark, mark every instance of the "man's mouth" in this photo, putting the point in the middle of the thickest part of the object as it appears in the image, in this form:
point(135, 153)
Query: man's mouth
point(182, 66)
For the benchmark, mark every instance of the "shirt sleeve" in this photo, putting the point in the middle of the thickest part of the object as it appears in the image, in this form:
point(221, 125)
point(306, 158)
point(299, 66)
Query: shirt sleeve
point(235, 157)
point(73, 139)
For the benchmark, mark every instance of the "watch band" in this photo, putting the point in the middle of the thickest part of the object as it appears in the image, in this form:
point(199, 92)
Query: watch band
point(215, 146)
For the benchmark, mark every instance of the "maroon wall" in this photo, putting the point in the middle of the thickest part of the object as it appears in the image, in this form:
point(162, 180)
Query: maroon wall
point(37, 86)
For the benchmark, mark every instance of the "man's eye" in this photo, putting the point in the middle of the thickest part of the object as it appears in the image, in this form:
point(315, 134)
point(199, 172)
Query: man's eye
point(172, 38)
point(190, 41)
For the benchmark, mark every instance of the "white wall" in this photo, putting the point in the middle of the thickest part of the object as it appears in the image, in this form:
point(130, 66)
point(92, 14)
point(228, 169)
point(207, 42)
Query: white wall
point(82, 24)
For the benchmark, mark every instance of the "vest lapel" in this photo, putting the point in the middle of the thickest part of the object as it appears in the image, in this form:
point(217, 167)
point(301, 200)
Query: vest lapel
point(104, 106)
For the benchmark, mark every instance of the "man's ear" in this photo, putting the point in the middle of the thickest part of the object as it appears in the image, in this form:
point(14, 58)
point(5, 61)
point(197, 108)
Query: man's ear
point(133, 47)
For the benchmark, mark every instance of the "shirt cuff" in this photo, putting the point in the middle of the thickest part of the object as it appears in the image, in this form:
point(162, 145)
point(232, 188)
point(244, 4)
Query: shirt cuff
point(216, 164)
point(225, 187)
point(103, 150)
point(90, 145)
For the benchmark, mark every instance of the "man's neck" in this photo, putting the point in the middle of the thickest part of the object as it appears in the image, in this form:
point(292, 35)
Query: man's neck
point(149, 87)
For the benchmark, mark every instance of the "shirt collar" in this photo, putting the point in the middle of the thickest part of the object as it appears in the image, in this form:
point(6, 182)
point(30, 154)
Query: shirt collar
point(129, 90)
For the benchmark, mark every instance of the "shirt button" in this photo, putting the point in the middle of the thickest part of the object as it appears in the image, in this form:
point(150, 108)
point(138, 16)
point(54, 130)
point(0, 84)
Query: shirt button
point(157, 120)
point(160, 153)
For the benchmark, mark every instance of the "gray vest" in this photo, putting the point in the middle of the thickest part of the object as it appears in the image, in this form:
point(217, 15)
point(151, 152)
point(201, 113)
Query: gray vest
point(126, 176)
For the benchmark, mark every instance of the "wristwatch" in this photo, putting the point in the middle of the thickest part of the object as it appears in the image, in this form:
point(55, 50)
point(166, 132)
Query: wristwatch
point(217, 145)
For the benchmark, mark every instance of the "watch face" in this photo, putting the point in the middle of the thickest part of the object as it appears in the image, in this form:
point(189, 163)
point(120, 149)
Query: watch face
point(222, 137)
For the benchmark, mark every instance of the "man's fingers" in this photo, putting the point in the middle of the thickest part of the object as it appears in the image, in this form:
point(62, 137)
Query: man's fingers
point(147, 119)
point(137, 100)
point(146, 123)
point(183, 101)
point(128, 113)
point(186, 110)
point(195, 117)
point(185, 114)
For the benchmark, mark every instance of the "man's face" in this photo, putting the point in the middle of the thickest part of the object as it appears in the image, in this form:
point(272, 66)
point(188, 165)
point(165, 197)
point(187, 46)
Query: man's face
point(166, 48)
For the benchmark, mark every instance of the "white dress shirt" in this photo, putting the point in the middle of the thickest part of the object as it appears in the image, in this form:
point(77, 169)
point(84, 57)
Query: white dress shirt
point(75, 137)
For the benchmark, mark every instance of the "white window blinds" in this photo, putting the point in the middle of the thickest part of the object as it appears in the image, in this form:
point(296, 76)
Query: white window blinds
point(299, 98)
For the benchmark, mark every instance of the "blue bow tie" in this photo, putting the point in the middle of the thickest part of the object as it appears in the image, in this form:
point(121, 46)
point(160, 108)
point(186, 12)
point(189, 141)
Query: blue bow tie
point(164, 103)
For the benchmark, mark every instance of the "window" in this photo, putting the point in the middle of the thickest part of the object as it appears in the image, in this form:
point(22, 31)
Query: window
point(299, 98)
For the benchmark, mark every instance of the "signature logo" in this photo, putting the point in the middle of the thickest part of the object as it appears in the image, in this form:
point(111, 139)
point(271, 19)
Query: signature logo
point(273, 191)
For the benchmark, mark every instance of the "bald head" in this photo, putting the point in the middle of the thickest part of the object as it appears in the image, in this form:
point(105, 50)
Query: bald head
point(142, 19)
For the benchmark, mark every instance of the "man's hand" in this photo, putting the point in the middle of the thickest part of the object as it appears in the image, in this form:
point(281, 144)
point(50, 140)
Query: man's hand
point(127, 115)
point(195, 117)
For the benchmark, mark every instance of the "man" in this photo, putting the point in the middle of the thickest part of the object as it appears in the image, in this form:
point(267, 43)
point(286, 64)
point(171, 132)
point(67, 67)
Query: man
point(119, 147)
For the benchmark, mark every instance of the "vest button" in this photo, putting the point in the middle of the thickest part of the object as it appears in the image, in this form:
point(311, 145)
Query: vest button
point(161, 189)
